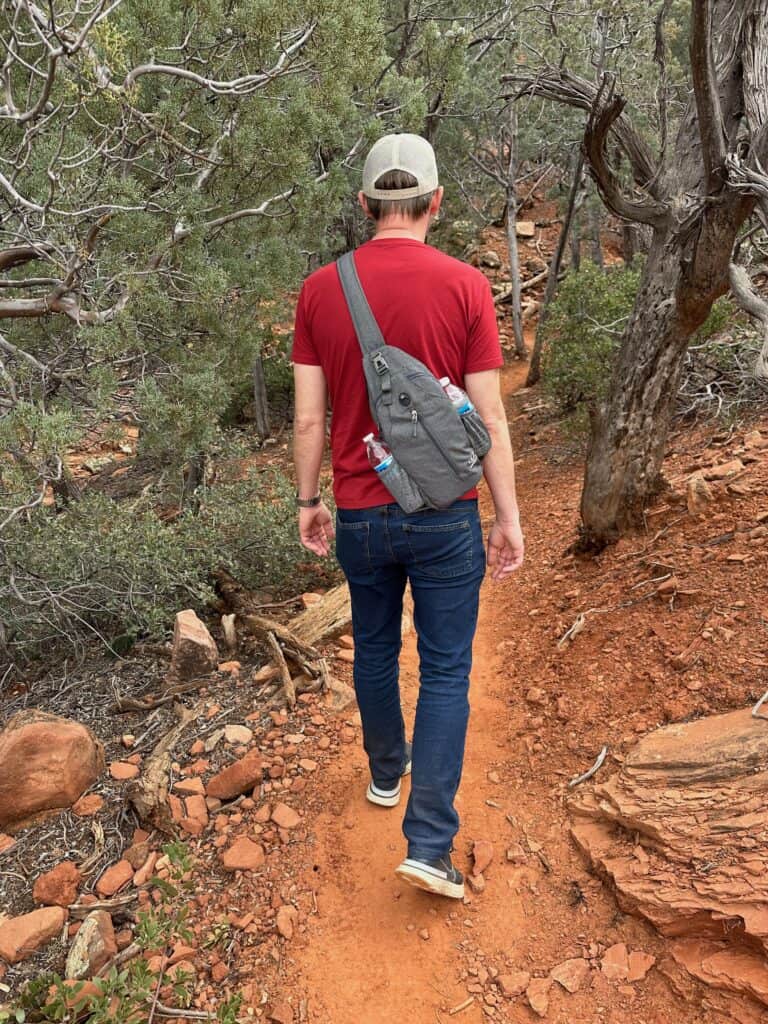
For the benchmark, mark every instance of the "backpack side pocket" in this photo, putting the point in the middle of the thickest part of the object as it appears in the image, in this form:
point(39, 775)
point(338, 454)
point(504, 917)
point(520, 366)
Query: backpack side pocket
point(477, 432)
point(402, 488)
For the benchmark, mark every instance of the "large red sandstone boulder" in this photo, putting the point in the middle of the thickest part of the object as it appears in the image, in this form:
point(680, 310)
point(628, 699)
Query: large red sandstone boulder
point(681, 832)
point(46, 763)
point(21, 937)
point(194, 649)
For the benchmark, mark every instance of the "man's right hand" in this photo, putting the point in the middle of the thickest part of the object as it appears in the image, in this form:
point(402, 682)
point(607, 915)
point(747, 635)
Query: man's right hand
point(506, 548)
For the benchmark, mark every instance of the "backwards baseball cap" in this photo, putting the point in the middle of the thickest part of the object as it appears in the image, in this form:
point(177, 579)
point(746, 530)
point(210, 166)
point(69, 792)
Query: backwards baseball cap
point(401, 152)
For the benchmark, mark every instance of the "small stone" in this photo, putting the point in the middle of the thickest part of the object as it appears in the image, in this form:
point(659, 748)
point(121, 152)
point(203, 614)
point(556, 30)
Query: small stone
point(128, 740)
point(22, 936)
point(476, 883)
point(285, 816)
point(230, 668)
point(114, 878)
point(280, 1013)
point(237, 734)
point(88, 805)
point(525, 229)
point(516, 854)
point(307, 764)
point(424, 934)
point(121, 770)
point(6, 842)
point(194, 650)
point(537, 995)
point(490, 258)
point(514, 983)
point(285, 920)
point(571, 974)
point(145, 872)
point(236, 778)
point(243, 855)
point(639, 965)
point(494, 777)
point(190, 787)
point(347, 641)
point(219, 971)
point(615, 962)
point(94, 946)
point(482, 855)
point(58, 887)
point(724, 470)
point(536, 696)
point(345, 655)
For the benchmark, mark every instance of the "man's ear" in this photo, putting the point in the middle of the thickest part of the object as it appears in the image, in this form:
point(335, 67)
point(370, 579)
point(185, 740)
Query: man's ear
point(437, 198)
point(362, 199)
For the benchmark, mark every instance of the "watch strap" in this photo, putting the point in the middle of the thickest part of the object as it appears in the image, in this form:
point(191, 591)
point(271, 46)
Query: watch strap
point(307, 502)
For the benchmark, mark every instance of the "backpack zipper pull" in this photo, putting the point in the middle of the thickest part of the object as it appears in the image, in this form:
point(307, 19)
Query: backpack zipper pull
point(414, 421)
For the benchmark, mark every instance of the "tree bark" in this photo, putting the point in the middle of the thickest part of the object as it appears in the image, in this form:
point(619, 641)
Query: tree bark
point(594, 225)
point(260, 401)
point(514, 258)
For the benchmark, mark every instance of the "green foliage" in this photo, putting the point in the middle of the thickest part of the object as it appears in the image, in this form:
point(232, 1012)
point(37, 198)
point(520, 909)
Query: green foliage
point(582, 332)
point(124, 996)
point(120, 572)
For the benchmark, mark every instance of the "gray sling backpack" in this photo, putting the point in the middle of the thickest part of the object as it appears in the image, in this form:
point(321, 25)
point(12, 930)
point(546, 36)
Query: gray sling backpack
point(436, 452)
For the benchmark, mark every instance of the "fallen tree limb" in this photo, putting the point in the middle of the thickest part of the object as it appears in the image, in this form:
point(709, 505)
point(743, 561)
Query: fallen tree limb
point(149, 792)
point(285, 673)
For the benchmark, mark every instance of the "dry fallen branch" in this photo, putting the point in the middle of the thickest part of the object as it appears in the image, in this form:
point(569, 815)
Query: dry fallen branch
point(288, 687)
point(592, 771)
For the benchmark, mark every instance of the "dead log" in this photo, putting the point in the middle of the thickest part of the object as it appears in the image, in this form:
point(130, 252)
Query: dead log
point(681, 833)
point(326, 619)
point(149, 792)
point(288, 687)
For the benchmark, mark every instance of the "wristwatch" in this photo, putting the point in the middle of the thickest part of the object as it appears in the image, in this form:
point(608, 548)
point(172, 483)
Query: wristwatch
point(308, 502)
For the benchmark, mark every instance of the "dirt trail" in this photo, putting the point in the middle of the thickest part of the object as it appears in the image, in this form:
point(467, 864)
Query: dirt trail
point(364, 960)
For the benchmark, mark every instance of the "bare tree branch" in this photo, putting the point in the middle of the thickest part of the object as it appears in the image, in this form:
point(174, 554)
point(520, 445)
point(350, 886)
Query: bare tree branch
point(756, 306)
point(705, 91)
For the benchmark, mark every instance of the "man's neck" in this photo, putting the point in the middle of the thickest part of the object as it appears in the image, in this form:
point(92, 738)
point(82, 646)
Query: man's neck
point(392, 228)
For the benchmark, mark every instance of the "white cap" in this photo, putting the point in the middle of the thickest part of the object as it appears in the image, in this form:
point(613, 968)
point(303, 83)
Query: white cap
point(367, 438)
point(401, 152)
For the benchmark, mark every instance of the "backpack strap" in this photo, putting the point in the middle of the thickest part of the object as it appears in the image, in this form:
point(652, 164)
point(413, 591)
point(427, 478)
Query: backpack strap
point(369, 335)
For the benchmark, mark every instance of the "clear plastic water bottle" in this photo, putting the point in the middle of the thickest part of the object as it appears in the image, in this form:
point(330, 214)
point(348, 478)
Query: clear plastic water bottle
point(379, 455)
point(459, 398)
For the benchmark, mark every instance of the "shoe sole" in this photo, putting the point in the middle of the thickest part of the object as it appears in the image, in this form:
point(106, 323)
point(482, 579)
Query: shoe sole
point(421, 878)
point(387, 801)
point(382, 801)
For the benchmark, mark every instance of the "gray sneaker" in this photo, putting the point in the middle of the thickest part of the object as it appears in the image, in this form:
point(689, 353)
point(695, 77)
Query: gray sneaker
point(436, 876)
point(389, 797)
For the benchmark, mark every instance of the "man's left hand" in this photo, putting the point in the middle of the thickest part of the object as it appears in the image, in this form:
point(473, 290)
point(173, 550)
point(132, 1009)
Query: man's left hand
point(316, 529)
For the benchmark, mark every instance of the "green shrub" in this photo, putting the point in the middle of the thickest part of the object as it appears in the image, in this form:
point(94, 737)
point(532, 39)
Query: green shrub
point(118, 571)
point(582, 333)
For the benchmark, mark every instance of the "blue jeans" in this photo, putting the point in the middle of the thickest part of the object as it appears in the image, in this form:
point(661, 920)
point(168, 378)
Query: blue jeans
point(441, 552)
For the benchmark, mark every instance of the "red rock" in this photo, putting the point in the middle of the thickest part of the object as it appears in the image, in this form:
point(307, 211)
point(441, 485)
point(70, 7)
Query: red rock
point(285, 920)
point(189, 787)
point(639, 965)
point(46, 763)
point(57, 887)
point(307, 764)
point(238, 733)
point(177, 807)
point(20, 937)
point(6, 842)
point(482, 856)
point(114, 878)
point(243, 855)
point(263, 814)
point(219, 971)
point(571, 974)
point(144, 873)
point(94, 946)
point(280, 1013)
point(192, 826)
point(197, 808)
point(236, 778)
point(194, 649)
point(345, 655)
point(230, 668)
point(536, 696)
point(197, 748)
point(514, 983)
point(537, 995)
point(88, 805)
point(725, 469)
point(615, 963)
point(285, 816)
point(123, 938)
point(476, 883)
point(122, 770)
point(182, 952)
point(347, 641)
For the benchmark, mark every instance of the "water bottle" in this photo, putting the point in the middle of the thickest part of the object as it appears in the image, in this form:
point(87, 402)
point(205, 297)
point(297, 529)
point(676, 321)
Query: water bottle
point(379, 455)
point(459, 398)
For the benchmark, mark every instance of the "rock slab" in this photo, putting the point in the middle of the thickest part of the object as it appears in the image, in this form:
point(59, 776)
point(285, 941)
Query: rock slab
point(237, 777)
point(46, 764)
point(57, 887)
point(21, 937)
point(93, 946)
point(194, 650)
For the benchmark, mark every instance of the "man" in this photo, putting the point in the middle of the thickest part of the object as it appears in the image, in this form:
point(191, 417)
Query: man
point(440, 311)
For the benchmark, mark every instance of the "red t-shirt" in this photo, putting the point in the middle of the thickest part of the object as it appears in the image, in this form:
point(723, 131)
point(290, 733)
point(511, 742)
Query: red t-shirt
point(432, 306)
